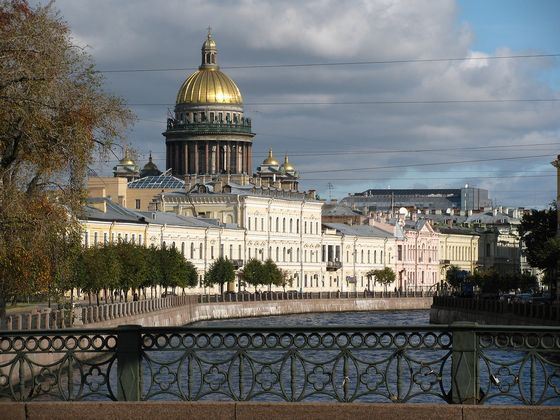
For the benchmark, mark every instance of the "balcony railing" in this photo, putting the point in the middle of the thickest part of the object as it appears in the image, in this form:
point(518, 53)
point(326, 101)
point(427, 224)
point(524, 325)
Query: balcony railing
point(237, 264)
point(334, 265)
point(206, 127)
point(467, 364)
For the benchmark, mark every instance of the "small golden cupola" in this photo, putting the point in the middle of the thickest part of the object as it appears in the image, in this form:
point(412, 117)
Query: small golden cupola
point(287, 166)
point(270, 160)
point(126, 168)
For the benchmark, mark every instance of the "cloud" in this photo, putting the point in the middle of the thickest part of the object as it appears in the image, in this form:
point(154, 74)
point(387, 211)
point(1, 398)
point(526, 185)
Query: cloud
point(144, 34)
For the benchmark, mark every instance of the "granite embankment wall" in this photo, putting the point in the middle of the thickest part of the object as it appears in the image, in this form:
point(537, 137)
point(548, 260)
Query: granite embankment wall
point(448, 316)
point(187, 314)
point(449, 309)
point(171, 410)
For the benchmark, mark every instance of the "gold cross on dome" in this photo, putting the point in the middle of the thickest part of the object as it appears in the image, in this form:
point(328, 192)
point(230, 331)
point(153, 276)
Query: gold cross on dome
point(209, 31)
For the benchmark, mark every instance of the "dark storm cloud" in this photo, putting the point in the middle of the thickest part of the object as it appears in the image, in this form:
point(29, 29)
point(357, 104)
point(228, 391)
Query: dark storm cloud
point(146, 34)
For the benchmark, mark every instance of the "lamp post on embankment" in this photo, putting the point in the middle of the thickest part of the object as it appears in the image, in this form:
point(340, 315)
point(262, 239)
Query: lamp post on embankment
point(556, 164)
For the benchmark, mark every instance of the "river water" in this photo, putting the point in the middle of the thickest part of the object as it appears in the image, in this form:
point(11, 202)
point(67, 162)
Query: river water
point(362, 319)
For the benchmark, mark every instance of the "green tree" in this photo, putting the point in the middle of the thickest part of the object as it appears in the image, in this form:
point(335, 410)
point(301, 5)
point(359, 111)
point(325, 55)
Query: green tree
point(252, 273)
point(99, 269)
point(455, 276)
point(220, 272)
point(542, 246)
point(271, 274)
point(54, 116)
point(174, 270)
point(384, 276)
point(285, 280)
point(134, 266)
point(153, 270)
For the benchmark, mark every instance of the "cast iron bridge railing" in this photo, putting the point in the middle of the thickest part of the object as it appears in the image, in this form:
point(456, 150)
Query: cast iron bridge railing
point(452, 364)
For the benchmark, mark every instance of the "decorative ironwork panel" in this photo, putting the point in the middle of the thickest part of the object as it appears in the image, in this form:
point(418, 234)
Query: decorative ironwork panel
point(519, 367)
point(57, 365)
point(297, 365)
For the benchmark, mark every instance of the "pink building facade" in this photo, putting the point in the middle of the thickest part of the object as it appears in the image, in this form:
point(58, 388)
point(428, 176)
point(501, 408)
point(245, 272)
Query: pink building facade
point(417, 257)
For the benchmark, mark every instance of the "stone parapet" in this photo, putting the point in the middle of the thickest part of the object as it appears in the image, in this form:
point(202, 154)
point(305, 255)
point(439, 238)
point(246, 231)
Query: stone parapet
point(249, 410)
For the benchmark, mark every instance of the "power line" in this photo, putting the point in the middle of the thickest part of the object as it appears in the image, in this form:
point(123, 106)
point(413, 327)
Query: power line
point(374, 179)
point(410, 165)
point(333, 64)
point(385, 151)
point(385, 102)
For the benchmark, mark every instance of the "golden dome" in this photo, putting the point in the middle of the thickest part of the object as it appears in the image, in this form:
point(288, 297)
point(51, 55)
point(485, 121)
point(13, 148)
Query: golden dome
point(126, 160)
point(288, 167)
point(209, 86)
point(270, 159)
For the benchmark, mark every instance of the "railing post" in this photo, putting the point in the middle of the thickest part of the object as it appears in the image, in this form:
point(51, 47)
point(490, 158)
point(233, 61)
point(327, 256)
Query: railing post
point(129, 358)
point(464, 373)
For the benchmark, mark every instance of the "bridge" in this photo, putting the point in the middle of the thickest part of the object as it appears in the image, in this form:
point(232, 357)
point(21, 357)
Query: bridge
point(455, 364)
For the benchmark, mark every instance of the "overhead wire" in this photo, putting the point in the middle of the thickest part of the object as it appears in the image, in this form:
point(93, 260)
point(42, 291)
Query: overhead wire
point(332, 64)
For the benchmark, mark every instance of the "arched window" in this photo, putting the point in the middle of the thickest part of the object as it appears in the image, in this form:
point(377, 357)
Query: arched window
point(304, 227)
point(183, 248)
point(291, 225)
point(277, 225)
point(284, 254)
point(297, 226)
point(375, 256)
point(277, 253)
point(192, 250)
point(284, 224)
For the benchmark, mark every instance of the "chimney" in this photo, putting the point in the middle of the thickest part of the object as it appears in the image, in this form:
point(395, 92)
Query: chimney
point(99, 205)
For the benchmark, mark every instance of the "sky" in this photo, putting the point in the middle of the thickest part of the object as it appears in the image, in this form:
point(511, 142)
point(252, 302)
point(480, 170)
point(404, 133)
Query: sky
point(345, 127)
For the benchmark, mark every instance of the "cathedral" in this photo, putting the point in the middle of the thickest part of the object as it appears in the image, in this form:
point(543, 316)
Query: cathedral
point(209, 139)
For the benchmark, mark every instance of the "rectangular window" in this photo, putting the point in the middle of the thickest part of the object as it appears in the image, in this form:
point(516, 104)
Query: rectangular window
point(133, 238)
point(86, 239)
point(94, 238)
point(139, 239)
point(105, 238)
point(399, 252)
point(137, 204)
point(200, 251)
point(212, 252)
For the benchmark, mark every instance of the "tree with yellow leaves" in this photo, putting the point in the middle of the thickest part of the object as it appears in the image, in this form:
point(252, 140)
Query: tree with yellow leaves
point(54, 117)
